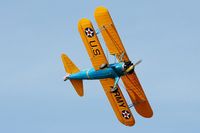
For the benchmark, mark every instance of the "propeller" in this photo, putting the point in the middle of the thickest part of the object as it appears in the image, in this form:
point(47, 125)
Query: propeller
point(131, 67)
point(137, 63)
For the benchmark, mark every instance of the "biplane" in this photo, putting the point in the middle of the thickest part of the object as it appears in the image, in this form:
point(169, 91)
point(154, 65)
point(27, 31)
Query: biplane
point(109, 74)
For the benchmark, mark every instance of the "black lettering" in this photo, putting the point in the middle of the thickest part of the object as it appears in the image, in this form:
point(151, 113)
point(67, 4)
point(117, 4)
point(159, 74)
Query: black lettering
point(122, 105)
point(119, 99)
point(117, 93)
point(92, 43)
point(96, 52)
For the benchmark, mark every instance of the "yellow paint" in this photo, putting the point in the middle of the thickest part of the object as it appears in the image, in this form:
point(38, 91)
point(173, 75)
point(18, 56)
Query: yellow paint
point(92, 44)
point(114, 101)
point(71, 68)
point(115, 47)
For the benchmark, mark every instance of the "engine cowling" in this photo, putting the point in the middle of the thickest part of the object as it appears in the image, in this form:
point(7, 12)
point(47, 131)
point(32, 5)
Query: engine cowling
point(128, 67)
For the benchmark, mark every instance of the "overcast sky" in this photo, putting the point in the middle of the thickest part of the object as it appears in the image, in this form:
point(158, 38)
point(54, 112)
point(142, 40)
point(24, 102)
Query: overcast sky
point(34, 98)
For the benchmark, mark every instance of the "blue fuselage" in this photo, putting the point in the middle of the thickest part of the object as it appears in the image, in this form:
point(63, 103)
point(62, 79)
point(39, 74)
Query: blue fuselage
point(112, 71)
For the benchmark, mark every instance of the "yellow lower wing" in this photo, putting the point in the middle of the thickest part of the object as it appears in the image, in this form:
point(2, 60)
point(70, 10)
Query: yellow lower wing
point(118, 103)
point(137, 95)
point(91, 43)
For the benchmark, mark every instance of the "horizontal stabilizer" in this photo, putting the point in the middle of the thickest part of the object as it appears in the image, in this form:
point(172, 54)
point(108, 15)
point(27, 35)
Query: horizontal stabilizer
point(78, 85)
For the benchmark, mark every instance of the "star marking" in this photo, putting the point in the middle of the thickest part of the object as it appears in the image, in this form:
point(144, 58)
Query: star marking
point(126, 114)
point(89, 32)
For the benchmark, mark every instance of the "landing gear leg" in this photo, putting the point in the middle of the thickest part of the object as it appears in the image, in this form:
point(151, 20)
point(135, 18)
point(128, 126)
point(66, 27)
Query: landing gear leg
point(114, 88)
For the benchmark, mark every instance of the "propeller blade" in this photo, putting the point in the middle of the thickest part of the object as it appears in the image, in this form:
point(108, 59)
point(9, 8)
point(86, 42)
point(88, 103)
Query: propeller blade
point(138, 62)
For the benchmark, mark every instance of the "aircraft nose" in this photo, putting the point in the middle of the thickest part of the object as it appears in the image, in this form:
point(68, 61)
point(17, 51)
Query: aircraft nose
point(130, 69)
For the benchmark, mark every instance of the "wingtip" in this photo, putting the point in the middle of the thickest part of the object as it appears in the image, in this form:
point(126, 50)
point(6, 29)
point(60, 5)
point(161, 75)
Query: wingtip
point(99, 10)
point(81, 95)
point(129, 123)
point(63, 54)
point(83, 21)
point(144, 109)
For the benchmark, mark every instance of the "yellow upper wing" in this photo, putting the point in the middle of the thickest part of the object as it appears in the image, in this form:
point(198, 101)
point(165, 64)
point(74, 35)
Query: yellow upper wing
point(109, 32)
point(118, 103)
point(115, 46)
point(91, 43)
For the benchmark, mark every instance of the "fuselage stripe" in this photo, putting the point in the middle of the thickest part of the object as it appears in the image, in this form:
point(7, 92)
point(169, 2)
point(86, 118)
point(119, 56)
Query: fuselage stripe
point(88, 74)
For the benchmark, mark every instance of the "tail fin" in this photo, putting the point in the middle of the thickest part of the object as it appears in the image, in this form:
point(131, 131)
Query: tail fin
point(71, 68)
point(69, 65)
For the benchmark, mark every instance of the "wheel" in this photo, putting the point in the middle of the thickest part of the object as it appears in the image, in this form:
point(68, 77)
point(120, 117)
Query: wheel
point(113, 89)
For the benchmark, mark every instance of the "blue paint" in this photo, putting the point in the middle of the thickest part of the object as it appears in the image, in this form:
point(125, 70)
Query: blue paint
point(112, 71)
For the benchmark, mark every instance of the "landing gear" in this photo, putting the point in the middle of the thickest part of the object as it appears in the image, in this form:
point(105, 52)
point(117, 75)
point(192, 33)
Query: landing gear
point(113, 89)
